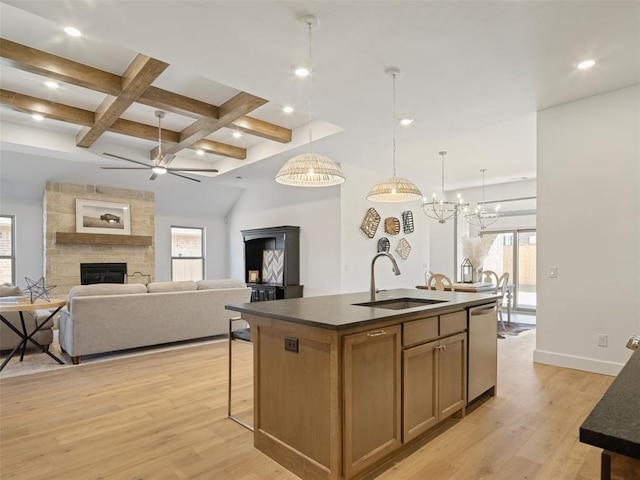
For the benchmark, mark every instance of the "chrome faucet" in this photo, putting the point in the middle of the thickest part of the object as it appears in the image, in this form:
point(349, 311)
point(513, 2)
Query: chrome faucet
point(396, 270)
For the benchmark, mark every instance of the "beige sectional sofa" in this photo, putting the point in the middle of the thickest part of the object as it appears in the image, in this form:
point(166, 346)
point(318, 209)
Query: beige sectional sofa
point(108, 317)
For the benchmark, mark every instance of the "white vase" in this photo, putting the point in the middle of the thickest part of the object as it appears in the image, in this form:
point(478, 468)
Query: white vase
point(477, 274)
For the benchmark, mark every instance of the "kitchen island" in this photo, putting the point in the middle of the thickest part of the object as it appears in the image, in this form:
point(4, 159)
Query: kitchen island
point(342, 386)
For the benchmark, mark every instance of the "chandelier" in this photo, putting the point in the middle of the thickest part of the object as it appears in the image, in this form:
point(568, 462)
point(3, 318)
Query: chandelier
point(480, 217)
point(310, 169)
point(442, 209)
point(394, 189)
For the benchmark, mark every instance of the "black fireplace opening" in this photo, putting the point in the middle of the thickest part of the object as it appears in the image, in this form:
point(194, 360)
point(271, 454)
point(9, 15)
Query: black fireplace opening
point(102, 273)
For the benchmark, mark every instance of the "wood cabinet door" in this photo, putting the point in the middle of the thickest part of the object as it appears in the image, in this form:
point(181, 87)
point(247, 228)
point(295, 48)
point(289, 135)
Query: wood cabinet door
point(372, 396)
point(452, 374)
point(419, 389)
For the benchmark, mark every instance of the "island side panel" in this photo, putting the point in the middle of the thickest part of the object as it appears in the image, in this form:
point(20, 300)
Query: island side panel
point(296, 397)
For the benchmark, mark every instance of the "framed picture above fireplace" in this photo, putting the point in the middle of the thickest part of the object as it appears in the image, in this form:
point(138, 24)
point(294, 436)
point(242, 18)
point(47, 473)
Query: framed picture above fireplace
point(93, 216)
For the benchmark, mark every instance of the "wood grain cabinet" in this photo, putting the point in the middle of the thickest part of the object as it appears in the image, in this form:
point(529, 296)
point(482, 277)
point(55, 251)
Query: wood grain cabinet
point(433, 373)
point(419, 389)
point(372, 376)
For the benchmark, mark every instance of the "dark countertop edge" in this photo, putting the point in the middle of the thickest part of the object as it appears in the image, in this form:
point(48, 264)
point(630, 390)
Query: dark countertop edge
point(610, 443)
point(614, 424)
point(381, 315)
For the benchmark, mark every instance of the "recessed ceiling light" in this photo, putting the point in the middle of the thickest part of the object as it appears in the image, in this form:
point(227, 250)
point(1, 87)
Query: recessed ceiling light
point(302, 71)
point(37, 116)
point(586, 64)
point(73, 32)
point(287, 109)
point(406, 121)
point(200, 151)
point(51, 84)
point(236, 134)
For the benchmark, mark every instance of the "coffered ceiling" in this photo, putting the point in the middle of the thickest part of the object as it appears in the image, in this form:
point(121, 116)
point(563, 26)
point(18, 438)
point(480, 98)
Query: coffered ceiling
point(473, 76)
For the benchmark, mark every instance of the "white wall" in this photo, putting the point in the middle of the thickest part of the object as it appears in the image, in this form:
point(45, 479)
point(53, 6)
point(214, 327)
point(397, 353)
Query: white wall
point(216, 244)
point(589, 228)
point(315, 210)
point(358, 250)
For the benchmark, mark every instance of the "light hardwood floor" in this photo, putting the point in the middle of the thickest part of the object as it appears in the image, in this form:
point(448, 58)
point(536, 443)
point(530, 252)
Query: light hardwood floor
point(163, 416)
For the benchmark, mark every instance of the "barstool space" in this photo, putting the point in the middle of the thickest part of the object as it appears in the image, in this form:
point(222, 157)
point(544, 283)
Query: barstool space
point(242, 334)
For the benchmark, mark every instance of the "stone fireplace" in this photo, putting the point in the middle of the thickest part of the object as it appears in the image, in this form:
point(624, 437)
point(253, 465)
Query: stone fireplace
point(65, 250)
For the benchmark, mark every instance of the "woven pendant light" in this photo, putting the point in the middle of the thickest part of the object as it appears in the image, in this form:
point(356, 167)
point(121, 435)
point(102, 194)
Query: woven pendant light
point(394, 189)
point(310, 169)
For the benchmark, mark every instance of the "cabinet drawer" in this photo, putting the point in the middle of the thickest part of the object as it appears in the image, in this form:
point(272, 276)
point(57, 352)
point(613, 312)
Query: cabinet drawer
point(419, 331)
point(453, 323)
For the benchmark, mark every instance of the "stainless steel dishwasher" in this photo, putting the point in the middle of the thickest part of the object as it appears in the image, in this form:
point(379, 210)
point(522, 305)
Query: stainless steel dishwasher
point(482, 367)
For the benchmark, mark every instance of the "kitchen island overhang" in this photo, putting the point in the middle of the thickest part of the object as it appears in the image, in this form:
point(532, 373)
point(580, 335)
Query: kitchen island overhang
point(366, 383)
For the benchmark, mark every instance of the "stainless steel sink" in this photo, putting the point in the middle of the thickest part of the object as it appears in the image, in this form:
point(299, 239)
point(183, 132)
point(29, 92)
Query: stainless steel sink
point(400, 303)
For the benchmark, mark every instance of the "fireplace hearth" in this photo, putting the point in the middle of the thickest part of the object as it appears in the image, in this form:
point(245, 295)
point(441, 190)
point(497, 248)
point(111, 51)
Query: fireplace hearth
point(102, 273)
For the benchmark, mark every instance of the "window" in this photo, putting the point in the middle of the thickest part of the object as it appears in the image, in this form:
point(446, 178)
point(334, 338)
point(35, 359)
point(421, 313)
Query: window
point(187, 253)
point(7, 249)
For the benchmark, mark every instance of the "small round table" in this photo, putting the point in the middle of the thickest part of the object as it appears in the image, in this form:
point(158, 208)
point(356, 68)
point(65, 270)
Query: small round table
point(24, 305)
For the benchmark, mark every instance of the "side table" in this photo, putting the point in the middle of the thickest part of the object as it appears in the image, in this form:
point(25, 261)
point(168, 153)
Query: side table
point(24, 305)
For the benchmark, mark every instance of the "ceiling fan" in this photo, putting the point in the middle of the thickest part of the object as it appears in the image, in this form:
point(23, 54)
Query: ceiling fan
point(157, 166)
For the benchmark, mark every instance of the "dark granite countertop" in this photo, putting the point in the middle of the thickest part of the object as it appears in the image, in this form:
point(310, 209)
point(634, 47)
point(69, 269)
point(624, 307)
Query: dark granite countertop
point(338, 312)
point(614, 423)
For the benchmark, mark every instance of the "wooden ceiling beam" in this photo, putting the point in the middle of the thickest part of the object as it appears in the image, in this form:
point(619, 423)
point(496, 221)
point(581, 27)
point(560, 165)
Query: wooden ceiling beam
point(223, 149)
point(79, 116)
point(56, 111)
point(58, 68)
point(138, 76)
point(175, 103)
point(260, 128)
point(74, 73)
point(234, 108)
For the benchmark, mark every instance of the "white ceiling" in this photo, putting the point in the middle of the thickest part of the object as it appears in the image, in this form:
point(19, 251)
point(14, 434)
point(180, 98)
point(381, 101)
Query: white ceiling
point(473, 73)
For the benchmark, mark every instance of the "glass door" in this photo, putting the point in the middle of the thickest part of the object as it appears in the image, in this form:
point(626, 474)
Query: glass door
point(514, 252)
point(525, 287)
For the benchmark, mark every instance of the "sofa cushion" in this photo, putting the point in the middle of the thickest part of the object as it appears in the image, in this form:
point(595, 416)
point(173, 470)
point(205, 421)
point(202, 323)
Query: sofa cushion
point(220, 283)
point(161, 287)
point(105, 289)
point(9, 290)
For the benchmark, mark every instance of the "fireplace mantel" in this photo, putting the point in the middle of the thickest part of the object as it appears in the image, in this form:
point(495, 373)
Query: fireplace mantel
point(103, 239)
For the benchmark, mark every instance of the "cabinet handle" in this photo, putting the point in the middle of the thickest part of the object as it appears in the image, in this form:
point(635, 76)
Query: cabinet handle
point(441, 347)
point(377, 334)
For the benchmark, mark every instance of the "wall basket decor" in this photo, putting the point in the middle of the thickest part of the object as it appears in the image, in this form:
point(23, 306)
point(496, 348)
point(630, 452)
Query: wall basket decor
point(392, 225)
point(384, 244)
point(370, 222)
point(407, 221)
point(403, 248)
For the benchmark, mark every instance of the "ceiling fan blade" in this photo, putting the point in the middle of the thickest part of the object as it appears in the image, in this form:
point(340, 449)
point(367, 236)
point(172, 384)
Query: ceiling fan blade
point(176, 169)
point(125, 168)
point(153, 176)
point(127, 159)
point(183, 176)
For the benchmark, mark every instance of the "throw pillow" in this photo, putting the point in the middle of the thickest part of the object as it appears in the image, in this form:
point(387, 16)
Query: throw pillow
point(9, 290)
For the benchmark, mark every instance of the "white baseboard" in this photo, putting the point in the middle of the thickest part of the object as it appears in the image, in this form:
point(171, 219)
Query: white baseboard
point(577, 363)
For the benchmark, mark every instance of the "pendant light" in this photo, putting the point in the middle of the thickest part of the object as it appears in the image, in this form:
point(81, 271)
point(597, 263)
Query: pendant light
point(394, 189)
point(480, 217)
point(310, 169)
point(442, 209)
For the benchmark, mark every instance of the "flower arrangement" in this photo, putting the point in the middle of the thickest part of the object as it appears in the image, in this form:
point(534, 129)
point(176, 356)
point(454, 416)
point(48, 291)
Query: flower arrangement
point(476, 250)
